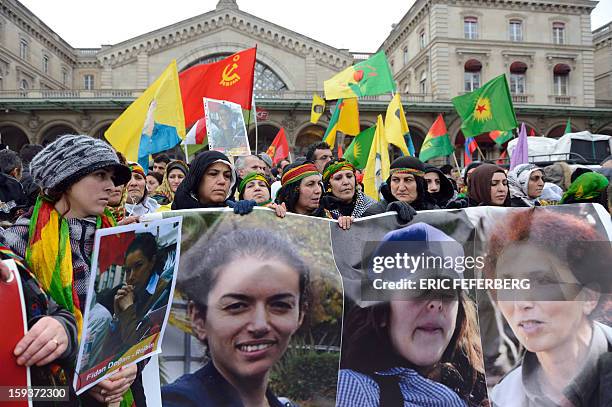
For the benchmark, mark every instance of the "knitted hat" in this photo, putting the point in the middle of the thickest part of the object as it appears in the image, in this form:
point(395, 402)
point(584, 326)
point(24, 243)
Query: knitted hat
point(72, 157)
point(297, 171)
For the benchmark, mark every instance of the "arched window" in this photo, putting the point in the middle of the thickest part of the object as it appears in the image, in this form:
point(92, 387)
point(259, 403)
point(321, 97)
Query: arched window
point(405, 55)
point(422, 39)
point(470, 28)
point(265, 78)
point(558, 33)
point(518, 77)
point(471, 75)
point(561, 79)
point(516, 30)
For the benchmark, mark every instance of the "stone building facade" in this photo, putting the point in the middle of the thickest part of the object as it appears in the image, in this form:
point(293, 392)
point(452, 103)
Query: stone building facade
point(439, 49)
point(602, 40)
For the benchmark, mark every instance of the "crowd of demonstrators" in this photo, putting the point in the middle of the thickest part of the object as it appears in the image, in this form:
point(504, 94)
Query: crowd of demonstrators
point(175, 173)
point(78, 184)
point(76, 175)
point(138, 201)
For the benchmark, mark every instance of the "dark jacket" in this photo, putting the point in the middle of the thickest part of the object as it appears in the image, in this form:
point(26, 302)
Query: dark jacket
point(12, 198)
point(206, 387)
point(446, 192)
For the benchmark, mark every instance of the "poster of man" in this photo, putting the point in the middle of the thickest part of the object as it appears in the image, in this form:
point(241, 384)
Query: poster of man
point(129, 298)
point(225, 127)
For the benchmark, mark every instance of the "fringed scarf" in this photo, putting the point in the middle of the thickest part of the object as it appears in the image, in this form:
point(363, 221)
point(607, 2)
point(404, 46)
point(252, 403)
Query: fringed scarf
point(49, 255)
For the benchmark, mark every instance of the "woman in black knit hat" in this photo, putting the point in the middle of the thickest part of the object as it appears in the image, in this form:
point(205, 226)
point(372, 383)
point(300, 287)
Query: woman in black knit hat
point(405, 190)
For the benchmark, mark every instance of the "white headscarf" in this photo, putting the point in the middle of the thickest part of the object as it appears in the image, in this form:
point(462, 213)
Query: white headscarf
point(518, 181)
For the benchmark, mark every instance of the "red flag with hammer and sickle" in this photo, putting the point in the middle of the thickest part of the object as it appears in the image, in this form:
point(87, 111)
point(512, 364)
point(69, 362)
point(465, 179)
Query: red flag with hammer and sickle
point(230, 79)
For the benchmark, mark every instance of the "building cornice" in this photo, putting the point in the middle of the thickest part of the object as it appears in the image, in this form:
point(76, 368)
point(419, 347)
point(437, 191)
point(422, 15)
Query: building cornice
point(416, 13)
point(216, 20)
point(34, 27)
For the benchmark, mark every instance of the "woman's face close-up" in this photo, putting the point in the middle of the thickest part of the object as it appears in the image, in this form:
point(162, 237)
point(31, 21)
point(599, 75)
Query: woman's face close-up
point(138, 269)
point(404, 187)
point(549, 316)
point(433, 182)
point(91, 194)
point(136, 188)
point(343, 185)
point(152, 184)
point(499, 189)
point(116, 195)
point(253, 310)
point(310, 194)
point(535, 184)
point(215, 184)
point(175, 178)
point(421, 330)
point(257, 190)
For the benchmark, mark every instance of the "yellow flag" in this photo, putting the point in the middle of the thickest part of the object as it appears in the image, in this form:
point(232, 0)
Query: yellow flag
point(377, 169)
point(318, 107)
point(156, 118)
point(396, 125)
point(348, 123)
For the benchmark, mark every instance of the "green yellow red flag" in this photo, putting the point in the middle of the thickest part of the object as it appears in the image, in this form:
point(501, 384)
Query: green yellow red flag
point(367, 78)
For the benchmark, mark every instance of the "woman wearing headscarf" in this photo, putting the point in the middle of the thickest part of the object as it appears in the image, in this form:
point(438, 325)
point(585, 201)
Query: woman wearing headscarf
point(138, 202)
point(256, 187)
point(488, 186)
point(76, 174)
point(301, 190)
point(118, 197)
point(590, 187)
point(342, 198)
point(175, 173)
point(441, 189)
point(405, 191)
point(210, 183)
point(526, 183)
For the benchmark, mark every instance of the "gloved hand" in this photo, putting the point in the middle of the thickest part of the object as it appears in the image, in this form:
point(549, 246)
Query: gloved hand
point(242, 207)
point(405, 212)
point(458, 203)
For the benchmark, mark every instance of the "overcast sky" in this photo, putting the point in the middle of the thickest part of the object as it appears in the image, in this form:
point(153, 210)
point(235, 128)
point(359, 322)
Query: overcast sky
point(359, 25)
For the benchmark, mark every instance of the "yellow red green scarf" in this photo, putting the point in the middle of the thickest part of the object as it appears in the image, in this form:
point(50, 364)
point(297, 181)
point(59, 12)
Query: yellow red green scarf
point(50, 257)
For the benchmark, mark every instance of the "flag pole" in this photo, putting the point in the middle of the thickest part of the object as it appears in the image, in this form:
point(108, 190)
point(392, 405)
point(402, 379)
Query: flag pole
point(482, 156)
point(186, 154)
point(256, 131)
point(455, 160)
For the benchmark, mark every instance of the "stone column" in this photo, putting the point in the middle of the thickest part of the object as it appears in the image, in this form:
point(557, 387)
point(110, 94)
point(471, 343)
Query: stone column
point(142, 69)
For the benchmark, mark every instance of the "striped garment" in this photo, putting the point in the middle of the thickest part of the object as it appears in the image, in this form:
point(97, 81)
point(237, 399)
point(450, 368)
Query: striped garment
point(358, 389)
point(81, 232)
